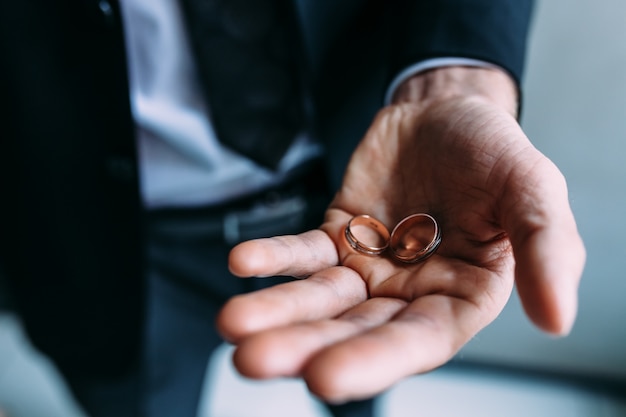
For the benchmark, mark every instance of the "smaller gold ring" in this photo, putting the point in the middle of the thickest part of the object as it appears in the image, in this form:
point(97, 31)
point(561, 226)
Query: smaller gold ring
point(373, 225)
point(408, 244)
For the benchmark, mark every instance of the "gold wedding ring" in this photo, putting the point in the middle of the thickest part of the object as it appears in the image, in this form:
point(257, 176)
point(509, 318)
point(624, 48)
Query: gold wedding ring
point(415, 238)
point(367, 235)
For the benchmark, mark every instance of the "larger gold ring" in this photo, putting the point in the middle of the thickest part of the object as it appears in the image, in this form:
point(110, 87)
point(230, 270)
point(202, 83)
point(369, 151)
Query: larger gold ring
point(415, 238)
point(367, 235)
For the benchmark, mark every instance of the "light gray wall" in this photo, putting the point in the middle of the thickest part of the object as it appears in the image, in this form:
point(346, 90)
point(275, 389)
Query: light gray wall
point(575, 112)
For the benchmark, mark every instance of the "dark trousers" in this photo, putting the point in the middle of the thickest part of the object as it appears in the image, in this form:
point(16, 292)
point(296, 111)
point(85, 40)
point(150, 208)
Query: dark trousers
point(187, 283)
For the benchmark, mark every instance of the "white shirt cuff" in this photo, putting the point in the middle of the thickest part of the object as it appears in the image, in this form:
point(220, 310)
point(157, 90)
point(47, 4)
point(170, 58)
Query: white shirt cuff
point(431, 64)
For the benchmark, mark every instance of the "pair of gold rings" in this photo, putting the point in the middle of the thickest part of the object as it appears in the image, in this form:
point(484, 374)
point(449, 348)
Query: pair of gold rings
point(414, 238)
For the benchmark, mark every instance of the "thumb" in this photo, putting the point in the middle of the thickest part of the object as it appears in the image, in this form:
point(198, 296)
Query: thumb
point(549, 252)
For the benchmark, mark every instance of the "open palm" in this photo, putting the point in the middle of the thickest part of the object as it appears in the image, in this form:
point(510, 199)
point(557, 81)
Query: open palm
point(360, 323)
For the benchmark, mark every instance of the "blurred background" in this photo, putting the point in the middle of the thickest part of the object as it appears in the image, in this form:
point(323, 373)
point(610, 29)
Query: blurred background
point(575, 112)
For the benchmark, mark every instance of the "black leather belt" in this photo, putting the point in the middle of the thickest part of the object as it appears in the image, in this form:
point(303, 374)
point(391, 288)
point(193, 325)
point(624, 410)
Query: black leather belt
point(285, 210)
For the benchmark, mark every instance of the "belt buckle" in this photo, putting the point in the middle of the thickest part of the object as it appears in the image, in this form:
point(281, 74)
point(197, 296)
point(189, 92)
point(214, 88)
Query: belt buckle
point(275, 215)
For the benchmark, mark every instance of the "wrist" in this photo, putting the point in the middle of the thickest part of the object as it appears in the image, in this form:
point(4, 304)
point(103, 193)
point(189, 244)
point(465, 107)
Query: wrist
point(459, 82)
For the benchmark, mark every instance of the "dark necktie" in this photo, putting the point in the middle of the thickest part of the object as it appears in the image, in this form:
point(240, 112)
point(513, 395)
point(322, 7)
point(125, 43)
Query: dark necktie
point(249, 57)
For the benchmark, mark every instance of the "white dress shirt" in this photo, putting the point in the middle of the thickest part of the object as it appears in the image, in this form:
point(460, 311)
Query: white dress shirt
point(181, 161)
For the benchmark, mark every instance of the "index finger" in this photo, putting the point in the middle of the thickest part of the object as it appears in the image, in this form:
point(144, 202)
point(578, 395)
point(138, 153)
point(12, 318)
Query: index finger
point(293, 255)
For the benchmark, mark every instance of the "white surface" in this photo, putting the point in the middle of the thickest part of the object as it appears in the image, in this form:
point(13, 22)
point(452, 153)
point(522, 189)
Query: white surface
point(448, 394)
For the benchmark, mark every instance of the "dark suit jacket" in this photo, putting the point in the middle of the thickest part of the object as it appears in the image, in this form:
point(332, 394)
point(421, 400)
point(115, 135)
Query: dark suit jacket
point(70, 234)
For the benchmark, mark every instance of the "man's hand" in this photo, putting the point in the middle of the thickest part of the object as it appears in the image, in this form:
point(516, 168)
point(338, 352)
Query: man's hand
point(448, 146)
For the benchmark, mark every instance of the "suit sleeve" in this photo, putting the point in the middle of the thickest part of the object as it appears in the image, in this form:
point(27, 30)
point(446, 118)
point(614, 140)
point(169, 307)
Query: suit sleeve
point(494, 31)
